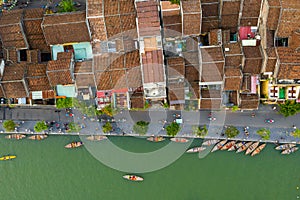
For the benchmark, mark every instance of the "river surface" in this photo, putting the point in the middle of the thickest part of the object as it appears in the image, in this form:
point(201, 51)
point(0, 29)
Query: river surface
point(46, 170)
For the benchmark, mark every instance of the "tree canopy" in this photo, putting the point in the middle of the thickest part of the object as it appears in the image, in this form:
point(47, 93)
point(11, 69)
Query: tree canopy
point(200, 131)
point(107, 127)
point(9, 125)
point(296, 133)
point(172, 129)
point(73, 127)
point(175, 2)
point(64, 103)
point(264, 133)
point(66, 6)
point(141, 127)
point(231, 131)
point(40, 126)
point(289, 108)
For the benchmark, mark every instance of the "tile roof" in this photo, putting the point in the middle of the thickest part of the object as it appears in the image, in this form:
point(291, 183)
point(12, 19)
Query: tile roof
point(289, 71)
point(210, 10)
point(137, 99)
point(246, 84)
point(210, 103)
point(59, 73)
point(249, 101)
point(233, 54)
point(167, 5)
point(253, 60)
point(57, 65)
point(65, 56)
point(248, 21)
point(209, 24)
point(33, 56)
point(212, 54)
point(210, 93)
point(103, 80)
point(36, 70)
point(175, 66)
point(38, 83)
point(14, 72)
point(65, 28)
point(289, 63)
point(171, 18)
point(1, 91)
point(83, 67)
point(288, 22)
point(230, 21)
point(273, 18)
point(14, 89)
point(192, 74)
point(84, 80)
point(294, 40)
point(12, 55)
point(250, 13)
point(212, 72)
point(274, 2)
point(11, 30)
point(191, 12)
point(97, 27)
point(288, 55)
point(176, 95)
point(233, 72)
point(33, 13)
point(231, 7)
point(233, 78)
point(94, 8)
point(118, 78)
point(153, 66)
point(214, 38)
point(134, 77)
point(233, 61)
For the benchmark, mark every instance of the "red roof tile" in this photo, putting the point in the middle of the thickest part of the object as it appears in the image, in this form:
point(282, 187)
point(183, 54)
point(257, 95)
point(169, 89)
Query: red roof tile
point(273, 18)
point(249, 101)
point(212, 72)
point(288, 22)
point(191, 24)
point(153, 66)
point(212, 54)
point(210, 103)
point(94, 8)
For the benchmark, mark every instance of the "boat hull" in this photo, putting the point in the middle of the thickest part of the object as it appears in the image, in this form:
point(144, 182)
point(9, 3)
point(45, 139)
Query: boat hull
point(73, 145)
point(133, 178)
point(7, 157)
point(179, 140)
point(156, 139)
point(196, 149)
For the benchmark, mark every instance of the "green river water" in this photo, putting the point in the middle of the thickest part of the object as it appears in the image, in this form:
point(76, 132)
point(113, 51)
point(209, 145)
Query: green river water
point(46, 170)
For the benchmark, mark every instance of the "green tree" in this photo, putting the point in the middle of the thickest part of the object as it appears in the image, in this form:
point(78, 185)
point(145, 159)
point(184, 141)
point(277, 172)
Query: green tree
point(73, 127)
point(234, 108)
point(141, 127)
point(289, 108)
point(172, 129)
point(64, 103)
point(264, 133)
point(231, 131)
point(9, 125)
point(296, 133)
point(175, 2)
point(40, 126)
point(200, 131)
point(107, 127)
point(66, 6)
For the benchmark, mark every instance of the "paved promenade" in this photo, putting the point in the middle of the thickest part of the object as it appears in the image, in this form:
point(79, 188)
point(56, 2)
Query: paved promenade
point(26, 117)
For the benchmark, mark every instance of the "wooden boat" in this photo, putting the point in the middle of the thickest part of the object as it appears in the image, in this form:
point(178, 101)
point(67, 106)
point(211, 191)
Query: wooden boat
point(156, 139)
point(228, 145)
point(244, 147)
point(37, 137)
point(210, 142)
point(96, 137)
point(285, 146)
point(179, 140)
point(236, 146)
point(258, 149)
point(15, 136)
point(133, 178)
point(196, 149)
point(7, 157)
point(252, 148)
point(73, 145)
point(289, 151)
point(219, 145)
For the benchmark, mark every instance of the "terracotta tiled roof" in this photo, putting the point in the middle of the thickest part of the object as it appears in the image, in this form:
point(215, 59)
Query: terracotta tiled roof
point(289, 67)
point(34, 13)
point(288, 55)
point(210, 93)
point(14, 89)
point(250, 13)
point(33, 56)
point(103, 80)
point(294, 40)
point(233, 72)
point(58, 72)
point(137, 100)
point(65, 28)
point(274, 2)
point(56, 65)
point(175, 66)
point(176, 95)
point(83, 67)
point(271, 59)
point(12, 55)
point(148, 18)
point(212, 72)
point(210, 103)
point(249, 101)
point(231, 7)
point(134, 77)
point(14, 72)
point(289, 71)
point(273, 17)
point(246, 84)
point(94, 8)
point(234, 48)
point(233, 78)
point(253, 60)
point(191, 58)
point(171, 19)
point(191, 10)
point(84, 80)
point(213, 37)
point(1, 92)
point(212, 54)
point(98, 30)
point(230, 21)
point(153, 66)
point(209, 24)
point(233, 61)
point(210, 10)
point(38, 83)
point(192, 74)
point(34, 70)
point(288, 22)
point(11, 30)
point(65, 56)
point(132, 59)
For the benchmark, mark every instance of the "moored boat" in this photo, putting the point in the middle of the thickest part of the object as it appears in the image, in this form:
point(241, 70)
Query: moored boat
point(179, 140)
point(219, 145)
point(258, 149)
point(8, 157)
point(285, 146)
point(196, 149)
point(73, 145)
point(15, 136)
point(155, 139)
point(252, 148)
point(96, 137)
point(290, 150)
point(37, 137)
point(244, 147)
point(228, 145)
point(133, 178)
point(236, 146)
point(210, 142)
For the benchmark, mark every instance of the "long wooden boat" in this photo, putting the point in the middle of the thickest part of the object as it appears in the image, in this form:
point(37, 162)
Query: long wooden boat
point(244, 147)
point(15, 136)
point(228, 145)
point(179, 140)
point(252, 148)
point(258, 149)
point(219, 145)
point(290, 150)
point(96, 137)
point(8, 157)
point(210, 142)
point(196, 149)
point(285, 146)
point(156, 139)
point(74, 145)
point(37, 137)
point(133, 178)
point(236, 146)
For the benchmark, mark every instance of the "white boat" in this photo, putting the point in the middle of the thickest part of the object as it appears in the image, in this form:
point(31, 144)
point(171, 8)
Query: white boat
point(210, 142)
point(96, 137)
point(244, 147)
point(236, 146)
point(219, 145)
point(133, 178)
point(258, 149)
point(252, 148)
point(228, 145)
point(290, 150)
point(196, 149)
point(179, 140)
point(285, 146)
